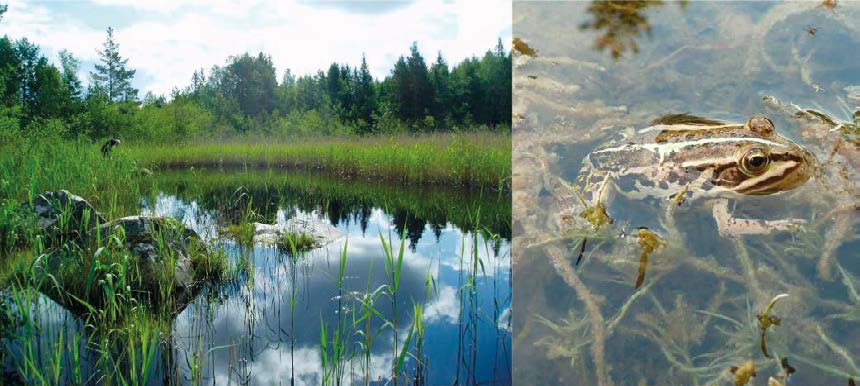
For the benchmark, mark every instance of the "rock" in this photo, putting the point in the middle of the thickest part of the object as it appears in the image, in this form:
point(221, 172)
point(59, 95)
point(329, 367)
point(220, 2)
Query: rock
point(165, 250)
point(141, 237)
point(321, 231)
point(50, 207)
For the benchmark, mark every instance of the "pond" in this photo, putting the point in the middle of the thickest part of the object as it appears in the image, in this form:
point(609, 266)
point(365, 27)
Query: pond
point(678, 301)
point(267, 324)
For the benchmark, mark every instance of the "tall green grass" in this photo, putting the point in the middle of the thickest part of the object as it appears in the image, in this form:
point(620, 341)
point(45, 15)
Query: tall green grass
point(112, 184)
point(476, 160)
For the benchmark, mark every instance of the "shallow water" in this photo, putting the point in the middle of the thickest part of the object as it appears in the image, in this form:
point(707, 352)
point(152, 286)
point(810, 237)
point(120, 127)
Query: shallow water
point(694, 317)
point(246, 332)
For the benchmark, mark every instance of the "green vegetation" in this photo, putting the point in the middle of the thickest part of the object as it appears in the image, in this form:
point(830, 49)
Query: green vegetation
point(244, 97)
point(327, 141)
point(296, 242)
point(471, 160)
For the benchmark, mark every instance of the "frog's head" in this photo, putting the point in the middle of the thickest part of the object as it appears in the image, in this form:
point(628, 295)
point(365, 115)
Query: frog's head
point(764, 162)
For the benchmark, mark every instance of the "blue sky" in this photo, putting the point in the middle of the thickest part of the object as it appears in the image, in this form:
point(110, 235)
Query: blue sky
point(166, 40)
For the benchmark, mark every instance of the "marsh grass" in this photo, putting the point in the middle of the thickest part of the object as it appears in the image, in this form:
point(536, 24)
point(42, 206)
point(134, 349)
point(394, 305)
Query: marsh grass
point(112, 184)
point(476, 160)
point(298, 240)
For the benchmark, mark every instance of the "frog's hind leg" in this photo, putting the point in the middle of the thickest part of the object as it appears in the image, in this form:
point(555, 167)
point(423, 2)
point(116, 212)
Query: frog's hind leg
point(730, 226)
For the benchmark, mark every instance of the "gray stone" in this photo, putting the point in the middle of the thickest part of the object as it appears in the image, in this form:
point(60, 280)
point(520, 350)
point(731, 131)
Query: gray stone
point(141, 236)
point(50, 207)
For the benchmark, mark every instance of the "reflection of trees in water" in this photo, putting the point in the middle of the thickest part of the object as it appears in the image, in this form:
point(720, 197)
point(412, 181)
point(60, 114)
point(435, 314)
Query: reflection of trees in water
point(348, 204)
point(622, 23)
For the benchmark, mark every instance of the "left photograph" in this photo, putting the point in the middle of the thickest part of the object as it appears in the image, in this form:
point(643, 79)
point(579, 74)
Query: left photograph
point(266, 193)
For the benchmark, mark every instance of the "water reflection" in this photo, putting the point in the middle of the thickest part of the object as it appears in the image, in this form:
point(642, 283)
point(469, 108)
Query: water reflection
point(266, 326)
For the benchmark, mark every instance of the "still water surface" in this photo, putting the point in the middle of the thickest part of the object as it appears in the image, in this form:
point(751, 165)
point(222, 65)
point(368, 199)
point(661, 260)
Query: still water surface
point(694, 318)
point(245, 332)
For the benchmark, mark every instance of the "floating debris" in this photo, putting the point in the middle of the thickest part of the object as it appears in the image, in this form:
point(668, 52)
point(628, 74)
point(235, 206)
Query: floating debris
point(649, 241)
point(789, 370)
point(766, 320)
point(523, 48)
point(829, 5)
point(811, 30)
point(743, 374)
point(681, 196)
point(596, 215)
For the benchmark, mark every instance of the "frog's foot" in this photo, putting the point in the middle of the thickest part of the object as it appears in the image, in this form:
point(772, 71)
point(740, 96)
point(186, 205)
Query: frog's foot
point(730, 226)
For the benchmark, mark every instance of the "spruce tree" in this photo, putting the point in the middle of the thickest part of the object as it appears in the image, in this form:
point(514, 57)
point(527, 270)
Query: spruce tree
point(111, 76)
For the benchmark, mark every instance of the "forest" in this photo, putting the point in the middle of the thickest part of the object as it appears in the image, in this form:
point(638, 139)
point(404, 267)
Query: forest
point(247, 97)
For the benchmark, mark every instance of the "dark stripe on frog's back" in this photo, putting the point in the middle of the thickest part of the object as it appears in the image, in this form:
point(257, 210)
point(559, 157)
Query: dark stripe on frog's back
point(669, 135)
point(685, 118)
point(702, 127)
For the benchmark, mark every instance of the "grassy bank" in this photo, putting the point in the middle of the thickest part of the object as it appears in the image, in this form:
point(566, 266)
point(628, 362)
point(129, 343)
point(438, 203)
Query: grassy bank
point(113, 185)
point(474, 160)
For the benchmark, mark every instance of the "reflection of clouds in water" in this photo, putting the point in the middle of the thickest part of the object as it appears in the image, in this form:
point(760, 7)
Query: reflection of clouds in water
point(255, 320)
point(273, 367)
point(262, 324)
point(445, 306)
point(201, 221)
point(504, 322)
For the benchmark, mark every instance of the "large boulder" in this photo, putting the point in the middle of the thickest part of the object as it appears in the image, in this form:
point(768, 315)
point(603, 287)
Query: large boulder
point(62, 213)
point(321, 231)
point(157, 241)
point(164, 252)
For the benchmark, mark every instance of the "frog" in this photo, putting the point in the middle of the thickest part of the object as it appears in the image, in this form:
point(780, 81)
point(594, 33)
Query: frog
point(684, 158)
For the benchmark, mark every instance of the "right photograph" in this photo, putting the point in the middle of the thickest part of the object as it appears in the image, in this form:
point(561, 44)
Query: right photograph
point(685, 202)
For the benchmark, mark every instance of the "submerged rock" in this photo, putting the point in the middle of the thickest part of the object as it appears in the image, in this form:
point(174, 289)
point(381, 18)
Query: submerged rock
point(321, 231)
point(62, 212)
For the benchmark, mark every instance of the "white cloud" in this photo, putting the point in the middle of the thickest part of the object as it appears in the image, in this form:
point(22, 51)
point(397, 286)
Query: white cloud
point(445, 306)
point(167, 40)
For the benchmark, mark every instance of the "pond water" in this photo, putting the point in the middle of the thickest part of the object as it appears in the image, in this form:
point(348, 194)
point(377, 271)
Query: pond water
point(693, 318)
point(265, 326)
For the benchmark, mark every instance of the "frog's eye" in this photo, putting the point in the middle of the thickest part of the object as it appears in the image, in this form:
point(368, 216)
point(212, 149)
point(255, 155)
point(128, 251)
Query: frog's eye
point(755, 161)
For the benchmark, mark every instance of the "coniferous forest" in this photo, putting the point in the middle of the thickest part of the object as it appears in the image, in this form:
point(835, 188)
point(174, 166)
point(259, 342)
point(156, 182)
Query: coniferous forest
point(41, 96)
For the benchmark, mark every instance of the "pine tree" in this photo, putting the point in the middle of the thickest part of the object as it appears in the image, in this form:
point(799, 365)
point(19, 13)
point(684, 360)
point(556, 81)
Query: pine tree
point(112, 76)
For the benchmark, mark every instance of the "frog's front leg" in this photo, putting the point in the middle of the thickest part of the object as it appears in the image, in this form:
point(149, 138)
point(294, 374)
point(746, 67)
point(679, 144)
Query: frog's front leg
point(729, 226)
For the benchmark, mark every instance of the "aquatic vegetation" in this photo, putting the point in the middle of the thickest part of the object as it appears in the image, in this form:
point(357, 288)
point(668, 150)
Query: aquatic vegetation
point(477, 161)
point(576, 331)
point(767, 320)
point(622, 22)
point(649, 241)
point(743, 374)
point(523, 48)
point(296, 241)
